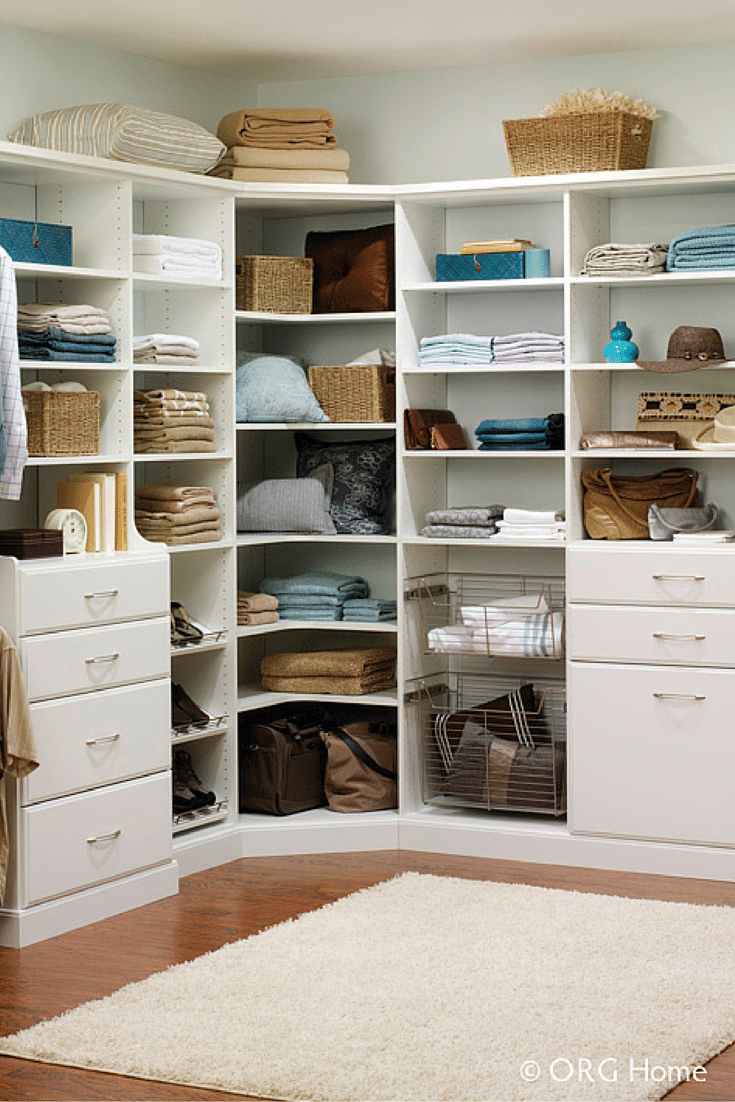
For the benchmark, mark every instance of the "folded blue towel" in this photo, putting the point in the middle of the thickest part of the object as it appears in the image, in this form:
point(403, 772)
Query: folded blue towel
point(318, 581)
point(33, 353)
point(503, 439)
point(368, 618)
point(368, 604)
point(705, 247)
point(309, 600)
point(53, 333)
point(502, 444)
point(516, 424)
point(331, 613)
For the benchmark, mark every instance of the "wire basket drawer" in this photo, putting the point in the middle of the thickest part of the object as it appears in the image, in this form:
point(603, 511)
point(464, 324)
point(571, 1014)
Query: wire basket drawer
point(495, 743)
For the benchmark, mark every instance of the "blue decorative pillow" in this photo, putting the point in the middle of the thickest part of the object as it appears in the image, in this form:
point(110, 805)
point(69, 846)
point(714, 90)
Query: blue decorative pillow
point(275, 388)
point(364, 472)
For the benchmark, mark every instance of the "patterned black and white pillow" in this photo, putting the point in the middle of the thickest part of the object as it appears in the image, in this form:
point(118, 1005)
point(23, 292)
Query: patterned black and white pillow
point(363, 480)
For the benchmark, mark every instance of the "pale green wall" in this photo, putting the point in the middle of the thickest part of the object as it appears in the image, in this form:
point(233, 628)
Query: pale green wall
point(445, 124)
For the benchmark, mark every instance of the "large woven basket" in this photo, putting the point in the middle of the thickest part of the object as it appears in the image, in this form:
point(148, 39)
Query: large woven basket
point(274, 284)
point(63, 422)
point(355, 392)
point(596, 142)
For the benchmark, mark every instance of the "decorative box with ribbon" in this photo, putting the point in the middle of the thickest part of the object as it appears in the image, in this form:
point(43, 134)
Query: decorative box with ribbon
point(36, 242)
point(523, 264)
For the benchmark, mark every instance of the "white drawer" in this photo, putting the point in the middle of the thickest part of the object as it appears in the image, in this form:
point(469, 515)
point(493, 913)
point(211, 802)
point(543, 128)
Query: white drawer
point(98, 658)
point(92, 739)
point(651, 752)
point(79, 594)
point(652, 574)
point(680, 636)
point(84, 840)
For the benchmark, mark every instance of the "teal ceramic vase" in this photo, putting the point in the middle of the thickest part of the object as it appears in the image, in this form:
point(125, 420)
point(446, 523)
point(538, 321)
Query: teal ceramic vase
point(620, 349)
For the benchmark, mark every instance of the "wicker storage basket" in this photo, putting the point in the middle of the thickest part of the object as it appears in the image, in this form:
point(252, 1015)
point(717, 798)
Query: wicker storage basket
point(274, 284)
point(355, 392)
point(595, 142)
point(63, 422)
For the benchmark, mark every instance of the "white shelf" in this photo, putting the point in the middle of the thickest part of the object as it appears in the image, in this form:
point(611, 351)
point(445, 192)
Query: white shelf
point(489, 369)
point(483, 286)
point(253, 698)
point(475, 453)
point(153, 279)
point(312, 426)
point(386, 626)
point(255, 539)
point(661, 279)
point(254, 316)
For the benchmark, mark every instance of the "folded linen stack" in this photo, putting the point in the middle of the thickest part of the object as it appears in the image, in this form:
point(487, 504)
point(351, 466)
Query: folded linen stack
point(521, 626)
point(165, 348)
point(256, 608)
point(281, 145)
point(619, 260)
point(465, 522)
point(369, 609)
point(522, 433)
point(163, 254)
point(532, 524)
point(56, 331)
point(455, 350)
point(166, 513)
point(708, 247)
point(172, 420)
point(530, 347)
point(319, 595)
point(353, 671)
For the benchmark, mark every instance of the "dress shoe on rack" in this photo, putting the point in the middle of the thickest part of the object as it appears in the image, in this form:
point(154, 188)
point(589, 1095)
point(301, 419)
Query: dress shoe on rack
point(182, 798)
point(186, 776)
point(195, 715)
point(187, 632)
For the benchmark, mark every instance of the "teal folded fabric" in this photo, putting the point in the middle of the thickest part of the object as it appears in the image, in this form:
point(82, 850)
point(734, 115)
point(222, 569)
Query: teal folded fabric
point(331, 612)
point(318, 581)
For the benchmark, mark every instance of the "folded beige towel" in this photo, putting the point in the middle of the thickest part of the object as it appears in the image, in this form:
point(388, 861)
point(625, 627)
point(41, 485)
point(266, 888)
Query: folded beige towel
point(208, 513)
point(348, 662)
point(278, 128)
point(168, 491)
point(173, 432)
point(335, 686)
point(176, 446)
point(329, 158)
point(148, 528)
point(170, 356)
point(256, 602)
point(281, 175)
point(167, 394)
point(246, 619)
point(175, 541)
point(151, 505)
point(181, 419)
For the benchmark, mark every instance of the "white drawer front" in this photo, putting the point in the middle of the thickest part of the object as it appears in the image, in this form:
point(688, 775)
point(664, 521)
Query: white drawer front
point(69, 596)
point(652, 752)
point(651, 575)
point(680, 636)
point(98, 658)
point(93, 739)
point(84, 840)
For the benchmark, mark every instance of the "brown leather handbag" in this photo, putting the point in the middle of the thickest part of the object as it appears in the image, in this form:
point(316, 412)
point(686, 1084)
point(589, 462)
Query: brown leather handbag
point(616, 506)
point(361, 766)
point(418, 423)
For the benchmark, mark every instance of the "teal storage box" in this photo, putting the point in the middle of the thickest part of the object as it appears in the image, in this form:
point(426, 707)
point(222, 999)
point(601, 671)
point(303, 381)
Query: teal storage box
point(35, 242)
point(461, 266)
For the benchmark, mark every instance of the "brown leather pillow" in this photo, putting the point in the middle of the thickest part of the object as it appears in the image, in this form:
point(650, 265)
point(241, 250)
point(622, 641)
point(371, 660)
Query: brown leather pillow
point(354, 270)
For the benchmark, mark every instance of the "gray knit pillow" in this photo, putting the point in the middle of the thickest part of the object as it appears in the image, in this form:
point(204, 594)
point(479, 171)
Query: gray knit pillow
point(288, 504)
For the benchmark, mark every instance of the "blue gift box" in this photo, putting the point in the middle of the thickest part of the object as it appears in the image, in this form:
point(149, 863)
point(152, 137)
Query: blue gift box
point(35, 242)
point(463, 266)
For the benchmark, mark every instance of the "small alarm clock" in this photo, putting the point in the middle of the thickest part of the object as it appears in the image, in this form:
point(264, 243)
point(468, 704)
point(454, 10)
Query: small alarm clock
point(73, 527)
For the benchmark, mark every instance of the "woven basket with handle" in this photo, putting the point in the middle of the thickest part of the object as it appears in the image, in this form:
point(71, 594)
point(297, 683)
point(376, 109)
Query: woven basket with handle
point(596, 142)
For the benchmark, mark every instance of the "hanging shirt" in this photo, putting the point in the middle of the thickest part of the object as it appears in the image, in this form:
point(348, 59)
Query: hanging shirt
point(13, 432)
point(18, 754)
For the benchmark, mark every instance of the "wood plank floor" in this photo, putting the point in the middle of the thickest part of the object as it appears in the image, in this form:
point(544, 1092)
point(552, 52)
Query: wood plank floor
point(234, 901)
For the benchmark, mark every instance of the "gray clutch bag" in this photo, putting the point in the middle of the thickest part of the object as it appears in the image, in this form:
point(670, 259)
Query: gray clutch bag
point(664, 522)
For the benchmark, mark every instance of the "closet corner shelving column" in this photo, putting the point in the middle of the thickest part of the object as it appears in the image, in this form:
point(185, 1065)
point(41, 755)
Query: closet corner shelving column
point(274, 221)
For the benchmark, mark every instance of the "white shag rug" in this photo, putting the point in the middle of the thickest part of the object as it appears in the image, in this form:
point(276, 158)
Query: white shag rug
point(429, 988)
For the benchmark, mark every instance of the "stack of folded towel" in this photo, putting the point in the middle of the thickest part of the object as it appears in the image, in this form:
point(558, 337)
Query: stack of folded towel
point(466, 522)
point(256, 608)
point(529, 348)
point(708, 247)
point(469, 350)
point(508, 627)
point(165, 348)
point(364, 610)
point(55, 331)
point(281, 145)
point(319, 595)
point(172, 420)
point(162, 254)
point(522, 434)
point(351, 672)
point(531, 524)
point(166, 513)
point(619, 260)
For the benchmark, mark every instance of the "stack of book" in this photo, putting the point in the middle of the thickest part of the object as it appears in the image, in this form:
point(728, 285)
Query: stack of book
point(102, 497)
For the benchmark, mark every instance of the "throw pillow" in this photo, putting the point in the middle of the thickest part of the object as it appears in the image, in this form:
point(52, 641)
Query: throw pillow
point(363, 479)
point(275, 388)
point(354, 270)
point(288, 504)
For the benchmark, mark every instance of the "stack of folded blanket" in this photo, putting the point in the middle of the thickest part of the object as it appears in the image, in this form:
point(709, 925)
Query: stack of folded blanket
point(281, 145)
point(466, 522)
point(319, 595)
point(165, 348)
point(469, 350)
point(708, 247)
point(522, 433)
point(529, 348)
point(532, 524)
point(55, 331)
point(369, 610)
point(508, 627)
point(619, 260)
point(162, 254)
point(351, 672)
point(256, 608)
point(166, 513)
point(172, 420)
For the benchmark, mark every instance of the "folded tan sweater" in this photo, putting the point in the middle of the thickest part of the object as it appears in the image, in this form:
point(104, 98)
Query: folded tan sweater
point(176, 446)
point(174, 541)
point(150, 528)
point(178, 432)
point(348, 662)
point(153, 505)
point(169, 491)
point(256, 602)
point(278, 128)
point(247, 619)
point(242, 156)
point(281, 175)
point(158, 396)
point(143, 423)
point(177, 520)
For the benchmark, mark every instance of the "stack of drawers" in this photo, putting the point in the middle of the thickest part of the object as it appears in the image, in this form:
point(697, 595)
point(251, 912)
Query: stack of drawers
point(93, 639)
point(651, 686)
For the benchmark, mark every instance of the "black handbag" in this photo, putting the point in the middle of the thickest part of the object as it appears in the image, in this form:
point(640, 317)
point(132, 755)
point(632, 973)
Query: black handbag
point(281, 763)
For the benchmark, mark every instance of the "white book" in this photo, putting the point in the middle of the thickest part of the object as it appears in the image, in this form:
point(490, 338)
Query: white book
point(106, 506)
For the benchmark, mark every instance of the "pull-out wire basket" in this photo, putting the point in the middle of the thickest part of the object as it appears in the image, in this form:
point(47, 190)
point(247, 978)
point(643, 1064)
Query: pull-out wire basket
point(495, 743)
point(496, 615)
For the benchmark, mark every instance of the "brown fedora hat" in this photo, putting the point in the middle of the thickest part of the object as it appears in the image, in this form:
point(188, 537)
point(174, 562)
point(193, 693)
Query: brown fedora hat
point(690, 347)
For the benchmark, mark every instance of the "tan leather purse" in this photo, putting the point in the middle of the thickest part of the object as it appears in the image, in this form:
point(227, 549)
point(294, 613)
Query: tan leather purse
point(616, 506)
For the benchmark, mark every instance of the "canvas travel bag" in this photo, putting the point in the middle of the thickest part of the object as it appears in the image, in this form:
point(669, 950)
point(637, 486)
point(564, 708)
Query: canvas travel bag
point(361, 766)
point(616, 506)
point(418, 423)
point(281, 763)
point(663, 523)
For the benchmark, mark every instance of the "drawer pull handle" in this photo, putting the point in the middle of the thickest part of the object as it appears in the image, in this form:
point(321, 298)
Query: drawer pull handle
point(102, 593)
point(102, 658)
point(667, 635)
point(103, 738)
point(680, 696)
point(679, 577)
point(104, 838)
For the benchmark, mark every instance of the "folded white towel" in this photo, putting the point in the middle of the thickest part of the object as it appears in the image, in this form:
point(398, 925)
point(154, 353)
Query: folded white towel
point(532, 516)
point(539, 636)
point(502, 610)
point(161, 244)
point(450, 640)
point(157, 265)
point(164, 340)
